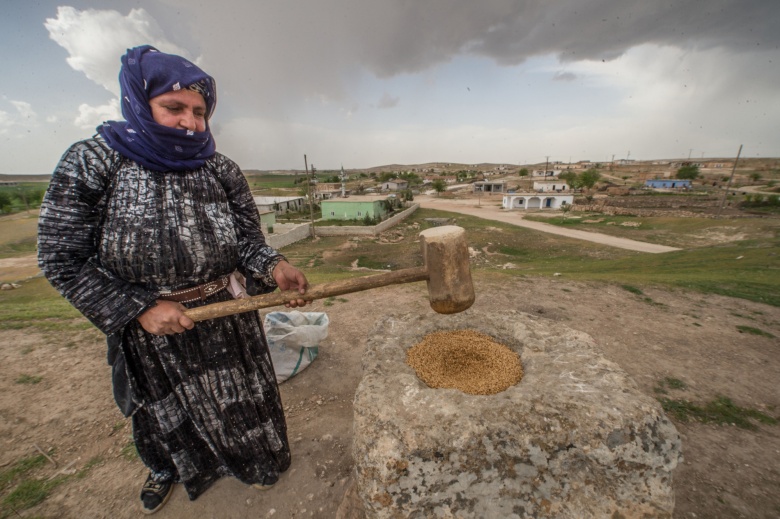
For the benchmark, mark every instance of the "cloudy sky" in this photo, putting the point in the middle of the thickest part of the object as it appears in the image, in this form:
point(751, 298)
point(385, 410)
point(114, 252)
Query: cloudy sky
point(363, 83)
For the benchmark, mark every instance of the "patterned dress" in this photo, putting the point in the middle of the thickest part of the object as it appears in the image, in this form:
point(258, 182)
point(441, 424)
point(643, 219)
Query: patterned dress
point(112, 235)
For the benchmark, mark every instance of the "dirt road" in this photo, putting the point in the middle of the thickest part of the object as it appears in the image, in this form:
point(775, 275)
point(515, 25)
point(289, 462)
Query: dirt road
point(491, 211)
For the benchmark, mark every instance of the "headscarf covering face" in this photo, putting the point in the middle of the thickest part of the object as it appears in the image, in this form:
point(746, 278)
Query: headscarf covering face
point(147, 73)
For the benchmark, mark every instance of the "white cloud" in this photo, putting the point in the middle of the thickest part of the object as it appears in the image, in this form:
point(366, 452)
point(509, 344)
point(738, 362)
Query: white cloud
point(23, 116)
point(5, 122)
point(96, 39)
point(26, 113)
point(91, 116)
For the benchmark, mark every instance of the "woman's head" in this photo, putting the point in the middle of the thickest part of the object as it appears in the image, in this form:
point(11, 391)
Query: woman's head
point(148, 74)
point(163, 73)
point(167, 102)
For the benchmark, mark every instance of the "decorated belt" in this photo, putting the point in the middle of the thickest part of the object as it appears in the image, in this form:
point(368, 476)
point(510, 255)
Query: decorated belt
point(196, 293)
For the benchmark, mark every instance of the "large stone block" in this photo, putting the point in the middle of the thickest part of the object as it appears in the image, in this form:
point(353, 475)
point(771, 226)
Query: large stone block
point(574, 439)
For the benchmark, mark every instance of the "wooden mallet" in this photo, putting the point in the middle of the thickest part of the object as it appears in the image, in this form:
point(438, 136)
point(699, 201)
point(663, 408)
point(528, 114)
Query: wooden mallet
point(446, 270)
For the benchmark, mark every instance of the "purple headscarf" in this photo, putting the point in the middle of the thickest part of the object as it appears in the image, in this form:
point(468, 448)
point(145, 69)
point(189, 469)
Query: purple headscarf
point(145, 74)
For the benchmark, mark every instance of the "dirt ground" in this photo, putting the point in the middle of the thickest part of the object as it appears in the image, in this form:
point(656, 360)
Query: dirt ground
point(727, 472)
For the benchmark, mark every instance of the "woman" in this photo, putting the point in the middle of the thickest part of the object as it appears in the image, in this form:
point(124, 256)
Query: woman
point(145, 220)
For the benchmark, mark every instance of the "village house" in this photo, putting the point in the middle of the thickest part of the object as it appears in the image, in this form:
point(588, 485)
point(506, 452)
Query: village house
point(668, 184)
point(535, 201)
point(394, 185)
point(546, 187)
point(448, 179)
point(352, 209)
point(484, 186)
point(279, 204)
point(326, 190)
point(545, 173)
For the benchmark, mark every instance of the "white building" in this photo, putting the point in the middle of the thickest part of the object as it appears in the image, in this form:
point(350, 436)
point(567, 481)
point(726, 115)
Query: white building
point(394, 185)
point(535, 201)
point(279, 204)
point(547, 187)
point(546, 174)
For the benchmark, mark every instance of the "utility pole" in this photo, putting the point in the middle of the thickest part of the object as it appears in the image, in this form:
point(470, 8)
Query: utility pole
point(308, 193)
point(728, 185)
point(689, 153)
point(546, 165)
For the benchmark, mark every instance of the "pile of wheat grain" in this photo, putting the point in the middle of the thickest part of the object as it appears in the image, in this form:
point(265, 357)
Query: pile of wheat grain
point(467, 360)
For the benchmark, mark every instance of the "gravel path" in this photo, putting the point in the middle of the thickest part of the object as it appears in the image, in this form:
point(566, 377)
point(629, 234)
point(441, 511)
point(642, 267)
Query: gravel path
point(490, 211)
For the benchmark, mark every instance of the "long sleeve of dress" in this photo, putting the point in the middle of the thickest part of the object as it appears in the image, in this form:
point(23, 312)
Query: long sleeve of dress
point(256, 256)
point(68, 233)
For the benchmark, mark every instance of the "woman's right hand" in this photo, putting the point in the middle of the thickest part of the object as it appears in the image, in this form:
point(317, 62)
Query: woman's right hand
point(166, 318)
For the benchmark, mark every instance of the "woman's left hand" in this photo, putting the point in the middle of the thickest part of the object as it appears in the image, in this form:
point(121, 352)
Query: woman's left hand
point(288, 277)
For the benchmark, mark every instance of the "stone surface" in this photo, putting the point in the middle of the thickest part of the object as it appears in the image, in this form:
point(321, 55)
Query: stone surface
point(574, 438)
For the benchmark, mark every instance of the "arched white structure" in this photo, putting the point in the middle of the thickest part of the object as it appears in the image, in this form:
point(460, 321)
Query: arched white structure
point(536, 201)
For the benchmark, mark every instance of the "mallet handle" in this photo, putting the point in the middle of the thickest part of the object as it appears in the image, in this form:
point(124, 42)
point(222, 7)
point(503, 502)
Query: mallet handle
point(334, 288)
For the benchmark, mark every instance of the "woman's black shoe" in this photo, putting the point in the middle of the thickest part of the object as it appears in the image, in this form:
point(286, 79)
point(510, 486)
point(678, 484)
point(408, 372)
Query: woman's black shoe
point(154, 495)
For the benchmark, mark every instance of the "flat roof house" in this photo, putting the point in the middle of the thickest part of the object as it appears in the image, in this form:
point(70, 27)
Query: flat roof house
point(339, 209)
point(279, 204)
point(668, 183)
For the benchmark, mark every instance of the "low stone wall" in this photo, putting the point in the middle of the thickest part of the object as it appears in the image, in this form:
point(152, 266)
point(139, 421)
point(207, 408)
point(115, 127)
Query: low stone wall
point(361, 230)
point(575, 438)
point(286, 234)
point(652, 206)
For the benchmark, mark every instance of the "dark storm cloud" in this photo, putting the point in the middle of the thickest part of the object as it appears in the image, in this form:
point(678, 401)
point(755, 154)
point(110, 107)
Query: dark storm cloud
point(391, 37)
point(314, 46)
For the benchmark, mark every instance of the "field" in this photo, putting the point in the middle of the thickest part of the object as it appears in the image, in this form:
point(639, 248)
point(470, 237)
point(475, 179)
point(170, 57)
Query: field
point(698, 328)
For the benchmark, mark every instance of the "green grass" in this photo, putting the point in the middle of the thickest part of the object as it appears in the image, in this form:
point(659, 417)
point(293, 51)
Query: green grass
point(18, 235)
point(713, 270)
point(719, 411)
point(38, 305)
point(27, 494)
point(26, 490)
point(129, 452)
point(754, 331)
point(20, 468)
point(331, 300)
point(632, 289)
point(671, 231)
point(28, 379)
point(667, 383)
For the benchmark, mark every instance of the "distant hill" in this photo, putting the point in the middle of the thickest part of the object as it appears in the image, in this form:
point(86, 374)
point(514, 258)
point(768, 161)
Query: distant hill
point(25, 178)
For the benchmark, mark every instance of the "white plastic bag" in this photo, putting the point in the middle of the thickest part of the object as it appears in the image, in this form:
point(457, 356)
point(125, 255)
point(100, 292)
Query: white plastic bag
point(293, 339)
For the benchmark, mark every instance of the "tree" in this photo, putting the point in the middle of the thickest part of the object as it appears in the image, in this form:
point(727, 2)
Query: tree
point(523, 172)
point(755, 177)
point(588, 178)
point(570, 178)
point(439, 186)
point(565, 208)
point(688, 173)
point(5, 202)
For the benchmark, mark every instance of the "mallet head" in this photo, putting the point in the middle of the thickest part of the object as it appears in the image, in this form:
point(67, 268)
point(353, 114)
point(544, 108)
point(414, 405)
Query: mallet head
point(446, 256)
